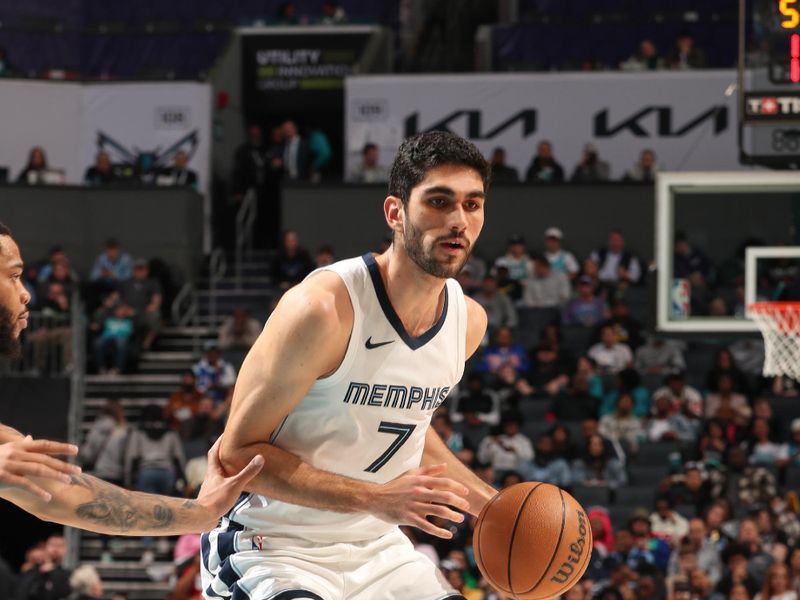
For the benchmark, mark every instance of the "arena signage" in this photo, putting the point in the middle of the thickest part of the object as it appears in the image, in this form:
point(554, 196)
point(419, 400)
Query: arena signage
point(685, 117)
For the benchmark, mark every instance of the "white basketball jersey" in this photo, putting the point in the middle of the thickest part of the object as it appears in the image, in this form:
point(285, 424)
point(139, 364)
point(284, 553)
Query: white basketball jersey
point(368, 419)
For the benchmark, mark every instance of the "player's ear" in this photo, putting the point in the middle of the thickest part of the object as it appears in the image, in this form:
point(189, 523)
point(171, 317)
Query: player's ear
point(394, 213)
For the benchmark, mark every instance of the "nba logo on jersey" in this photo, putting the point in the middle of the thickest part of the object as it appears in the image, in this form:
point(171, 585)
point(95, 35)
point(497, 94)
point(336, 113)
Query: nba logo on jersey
point(680, 299)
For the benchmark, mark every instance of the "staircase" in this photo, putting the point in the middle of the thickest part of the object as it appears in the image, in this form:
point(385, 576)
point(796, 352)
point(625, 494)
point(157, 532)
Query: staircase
point(158, 375)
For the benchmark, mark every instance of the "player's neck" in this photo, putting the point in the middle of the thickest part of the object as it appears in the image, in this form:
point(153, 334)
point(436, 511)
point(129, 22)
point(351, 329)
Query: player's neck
point(416, 296)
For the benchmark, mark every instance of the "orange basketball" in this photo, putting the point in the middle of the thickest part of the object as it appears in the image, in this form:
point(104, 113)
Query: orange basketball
point(532, 541)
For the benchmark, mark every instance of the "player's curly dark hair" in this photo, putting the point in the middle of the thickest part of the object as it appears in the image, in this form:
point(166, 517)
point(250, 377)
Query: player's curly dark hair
point(424, 151)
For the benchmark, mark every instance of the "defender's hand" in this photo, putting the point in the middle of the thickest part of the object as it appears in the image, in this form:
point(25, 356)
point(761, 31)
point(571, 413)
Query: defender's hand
point(410, 498)
point(25, 458)
point(218, 493)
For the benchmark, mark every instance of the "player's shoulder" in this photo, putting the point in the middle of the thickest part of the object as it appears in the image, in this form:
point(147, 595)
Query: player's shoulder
point(321, 299)
point(477, 321)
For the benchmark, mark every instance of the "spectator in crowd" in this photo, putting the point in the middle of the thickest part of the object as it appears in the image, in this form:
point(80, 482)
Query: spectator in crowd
point(726, 404)
point(475, 405)
point(735, 557)
point(85, 584)
point(659, 357)
point(103, 452)
point(54, 339)
point(251, 161)
point(741, 483)
point(682, 397)
point(296, 153)
point(454, 440)
point(645, 59)
point(183, 403)
point(563, 446)
point(776, 584)
point(292, 263)
point(332, 13)
point(622, 425)
point(57, 259)
point(155, 461)
point(179, 174)
point(576, 398)
point(763, 449)
point(547, 465)
point(544, 168)
point(238, 331)
point(506, 284)
point(714, 441)
point(610, 355)
point(626, 329)
point(112, 266)
point(509, 450)
point(6, 68)
point(586, 308)
point(685, 55)
point(641, 528)
point(591, 169)
point(143, 294)
point(626, 381)
point(115, 323)
point(560, 259)
point(369, 170)
point(202, 429)
point(724, 364)
point(187, 569)
point(102, 172)
point(666, 524)
point(690, 488)
point(546, 288)
point(501, 172)
point(504, 352)
point(287, 14)
point(645, 169)
point(324, 257)
point(793, 447)
point(499, 308)
point(46, 579)
point(320, 153)
point(599, 467)
point(214, 376)
point(668, 424)
point(615, 263)
point(516, 260)
point(689, 262)
point(35, 172)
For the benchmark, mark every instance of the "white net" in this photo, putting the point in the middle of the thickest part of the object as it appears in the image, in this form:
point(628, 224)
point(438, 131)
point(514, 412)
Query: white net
point(779, 323)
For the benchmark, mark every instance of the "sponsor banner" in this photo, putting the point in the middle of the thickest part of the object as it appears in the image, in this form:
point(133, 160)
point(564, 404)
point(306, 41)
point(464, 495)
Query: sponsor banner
point(772, 106)
point(142, 125)
point(298, 68)
point(46, 114)
point(687, 118)
point(134, 123)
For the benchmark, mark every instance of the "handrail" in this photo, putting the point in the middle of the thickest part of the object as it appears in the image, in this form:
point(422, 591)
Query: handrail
point(217, 267)
point(245, 221)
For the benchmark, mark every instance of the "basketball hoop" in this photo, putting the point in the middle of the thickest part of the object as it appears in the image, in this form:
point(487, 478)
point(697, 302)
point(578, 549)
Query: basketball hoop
point(779, 323)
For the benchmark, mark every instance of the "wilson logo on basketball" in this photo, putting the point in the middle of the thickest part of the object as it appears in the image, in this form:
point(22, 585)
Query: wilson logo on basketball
point(576, 549)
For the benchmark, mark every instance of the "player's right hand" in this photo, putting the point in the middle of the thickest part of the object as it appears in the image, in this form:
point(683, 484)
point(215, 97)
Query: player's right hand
point(418, 493)
point(25, 457)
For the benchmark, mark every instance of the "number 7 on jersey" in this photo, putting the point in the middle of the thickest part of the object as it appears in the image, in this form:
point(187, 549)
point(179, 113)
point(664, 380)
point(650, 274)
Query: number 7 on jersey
point(402, 431)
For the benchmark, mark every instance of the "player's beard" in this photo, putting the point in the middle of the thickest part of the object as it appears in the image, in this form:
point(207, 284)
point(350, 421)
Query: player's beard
point(10, 345)
point(424, 259)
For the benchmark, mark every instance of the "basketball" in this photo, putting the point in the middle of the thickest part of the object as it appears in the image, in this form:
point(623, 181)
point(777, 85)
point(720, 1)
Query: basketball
point(532, 541)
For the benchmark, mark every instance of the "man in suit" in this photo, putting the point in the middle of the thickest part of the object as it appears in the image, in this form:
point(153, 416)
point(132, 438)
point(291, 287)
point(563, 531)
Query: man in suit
point(296, 155)
point(179, 173)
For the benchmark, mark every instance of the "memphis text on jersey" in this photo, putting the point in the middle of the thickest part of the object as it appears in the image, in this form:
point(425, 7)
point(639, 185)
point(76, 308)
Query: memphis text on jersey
point(395, 396)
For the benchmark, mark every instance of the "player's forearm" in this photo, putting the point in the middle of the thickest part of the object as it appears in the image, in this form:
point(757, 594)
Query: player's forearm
point(96, 505)
point(9, 434)
point(286, 478)
point(437, 452)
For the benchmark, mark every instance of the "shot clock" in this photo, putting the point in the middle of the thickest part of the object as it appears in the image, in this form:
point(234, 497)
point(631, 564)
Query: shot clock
point(769, 82)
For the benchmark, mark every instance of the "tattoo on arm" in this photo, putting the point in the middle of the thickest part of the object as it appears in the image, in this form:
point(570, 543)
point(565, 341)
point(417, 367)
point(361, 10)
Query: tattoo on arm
point(121, 509)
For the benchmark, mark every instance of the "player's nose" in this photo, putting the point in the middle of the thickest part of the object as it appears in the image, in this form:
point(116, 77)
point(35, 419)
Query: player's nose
point(25, 296)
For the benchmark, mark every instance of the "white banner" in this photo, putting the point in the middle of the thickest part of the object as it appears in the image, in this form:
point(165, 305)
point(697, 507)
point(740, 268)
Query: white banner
point(688, 118)
point(46, 114)
point(71, 122)
point(148, 122)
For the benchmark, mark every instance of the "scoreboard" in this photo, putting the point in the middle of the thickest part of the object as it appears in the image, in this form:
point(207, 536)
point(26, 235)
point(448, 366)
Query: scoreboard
point(769, 82)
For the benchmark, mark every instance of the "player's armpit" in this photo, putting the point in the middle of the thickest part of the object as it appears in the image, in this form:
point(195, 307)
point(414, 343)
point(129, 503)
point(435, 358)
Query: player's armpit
point(476, 325)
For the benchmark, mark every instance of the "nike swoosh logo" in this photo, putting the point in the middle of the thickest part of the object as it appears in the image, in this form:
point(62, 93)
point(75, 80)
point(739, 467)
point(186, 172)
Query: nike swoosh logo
point(370, 345)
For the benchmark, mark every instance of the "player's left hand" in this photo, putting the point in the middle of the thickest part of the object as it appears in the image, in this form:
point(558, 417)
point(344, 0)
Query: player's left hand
point(218, 492)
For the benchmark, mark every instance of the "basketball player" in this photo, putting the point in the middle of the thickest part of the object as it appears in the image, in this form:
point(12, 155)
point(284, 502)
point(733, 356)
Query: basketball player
point(337, 394)
point(33, 479)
